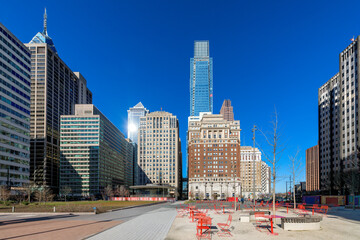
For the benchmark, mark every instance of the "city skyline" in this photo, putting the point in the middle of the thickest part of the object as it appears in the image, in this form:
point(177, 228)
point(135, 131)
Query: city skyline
point(225, 69)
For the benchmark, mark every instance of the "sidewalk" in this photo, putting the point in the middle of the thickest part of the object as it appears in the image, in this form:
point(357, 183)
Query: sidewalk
point(151, 225)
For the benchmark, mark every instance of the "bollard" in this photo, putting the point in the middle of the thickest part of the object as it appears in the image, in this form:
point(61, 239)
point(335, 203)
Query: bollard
point(13, 209)
point(313, 211)
point(94, 210)
point(54, 209)
point(287, 209)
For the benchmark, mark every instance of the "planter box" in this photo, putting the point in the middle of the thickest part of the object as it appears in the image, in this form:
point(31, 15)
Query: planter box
point(301, 223)
point(244, 217)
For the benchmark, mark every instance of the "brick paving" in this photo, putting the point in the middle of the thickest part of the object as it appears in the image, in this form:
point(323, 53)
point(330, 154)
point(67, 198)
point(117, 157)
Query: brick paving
point(47, 227)
point(149, 226)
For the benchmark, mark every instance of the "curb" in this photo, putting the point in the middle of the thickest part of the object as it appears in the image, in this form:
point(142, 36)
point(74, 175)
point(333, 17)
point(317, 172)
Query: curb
point(78, 213)
point(48, 213)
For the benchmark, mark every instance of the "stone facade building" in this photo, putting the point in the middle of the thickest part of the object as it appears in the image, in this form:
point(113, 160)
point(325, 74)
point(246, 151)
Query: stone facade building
point(159, 151)
point(213, 157)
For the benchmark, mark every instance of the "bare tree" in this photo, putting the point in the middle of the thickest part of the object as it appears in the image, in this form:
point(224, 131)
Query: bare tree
point(4, 193)
point(44, 194)
point(276, 148)
point(109, 191)
point(29, 189)
point(201, 195)
point(296, 168)
point(352, 175)
point(66, 190)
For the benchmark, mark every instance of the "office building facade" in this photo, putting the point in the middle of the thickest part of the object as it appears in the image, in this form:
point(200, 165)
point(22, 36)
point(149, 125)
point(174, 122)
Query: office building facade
point(213, 157)
point(227, 110)
point(349, 117)
point(55, 89)
point(134, 115)
point(312, 169)
point(265, 178)
point(329, 135)
point(94, 153)
point(201, 79)
point(15, 90)
point(159, 151)
point(251, 167)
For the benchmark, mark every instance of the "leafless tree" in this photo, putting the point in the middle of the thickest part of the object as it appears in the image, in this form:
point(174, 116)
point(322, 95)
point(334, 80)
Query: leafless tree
point(192, 194)
point(201, 195)
point(29, 189)
point(273, 139)
point(4, 193)
point(296, 169)
point(352, 175)
point(109, 191)
point(66, 190)
point(44, 194)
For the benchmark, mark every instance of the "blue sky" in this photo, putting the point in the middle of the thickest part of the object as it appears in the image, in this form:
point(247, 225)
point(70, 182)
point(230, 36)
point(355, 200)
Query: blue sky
point(266, 54)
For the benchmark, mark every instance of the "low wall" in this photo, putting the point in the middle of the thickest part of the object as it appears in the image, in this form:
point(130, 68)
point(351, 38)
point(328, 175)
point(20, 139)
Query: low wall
point(301, 223)
point(142, 199)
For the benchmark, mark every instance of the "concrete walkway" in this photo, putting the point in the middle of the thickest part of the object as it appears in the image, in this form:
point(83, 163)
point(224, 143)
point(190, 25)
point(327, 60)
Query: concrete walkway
point(151, 225)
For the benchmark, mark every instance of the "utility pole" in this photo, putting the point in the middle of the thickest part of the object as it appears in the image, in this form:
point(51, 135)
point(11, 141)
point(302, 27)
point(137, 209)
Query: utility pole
point(286, 193)
point(254, 157)
point(290, 187)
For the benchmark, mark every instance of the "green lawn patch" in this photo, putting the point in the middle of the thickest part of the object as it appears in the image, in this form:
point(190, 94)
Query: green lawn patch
point(76, 206)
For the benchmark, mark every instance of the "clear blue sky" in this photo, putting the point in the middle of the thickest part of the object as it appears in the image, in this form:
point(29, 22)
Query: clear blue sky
point(266, 54)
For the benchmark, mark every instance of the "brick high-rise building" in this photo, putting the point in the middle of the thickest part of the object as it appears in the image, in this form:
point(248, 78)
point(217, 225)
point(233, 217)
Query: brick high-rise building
point(227, 110)
point(312, 169)
point(213, 157)
point(55, 89)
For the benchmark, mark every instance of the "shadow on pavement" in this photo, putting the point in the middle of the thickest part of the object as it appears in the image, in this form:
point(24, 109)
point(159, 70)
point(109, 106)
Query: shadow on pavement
point(34, 219)
point(53, 230)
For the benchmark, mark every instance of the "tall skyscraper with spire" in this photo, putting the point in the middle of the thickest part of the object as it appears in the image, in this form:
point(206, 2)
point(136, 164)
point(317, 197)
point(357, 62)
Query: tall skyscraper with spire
point(55, 89)
point(201, 79)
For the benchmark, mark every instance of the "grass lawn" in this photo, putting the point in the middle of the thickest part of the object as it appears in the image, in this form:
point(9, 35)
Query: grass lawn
point(73, 206)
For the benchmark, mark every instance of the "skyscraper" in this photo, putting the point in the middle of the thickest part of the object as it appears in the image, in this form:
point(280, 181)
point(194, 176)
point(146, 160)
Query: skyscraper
point(94, 153)
point(312, 169)
point(134, 115)
point(14, 109)
point(55, 89)
point(201, 79)
point(227, 110)
point(159, 150)
point(329, 135)
point(248, 172)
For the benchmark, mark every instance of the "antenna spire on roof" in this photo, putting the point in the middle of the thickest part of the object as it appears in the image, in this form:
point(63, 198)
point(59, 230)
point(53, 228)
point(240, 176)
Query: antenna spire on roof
point(45, 23)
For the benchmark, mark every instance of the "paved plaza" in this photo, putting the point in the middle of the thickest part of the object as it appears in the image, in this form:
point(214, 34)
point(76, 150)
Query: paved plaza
point(339, 224)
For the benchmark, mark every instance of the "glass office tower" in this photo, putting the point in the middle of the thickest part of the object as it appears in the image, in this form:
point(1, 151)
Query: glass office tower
point(201, 79)
point(15, 91)
point(94, 153)
point(134, 115)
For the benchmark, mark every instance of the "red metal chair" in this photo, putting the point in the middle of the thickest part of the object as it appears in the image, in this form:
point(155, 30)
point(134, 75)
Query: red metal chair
point(225, 228)
point(204, 223)
point(260, 220)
